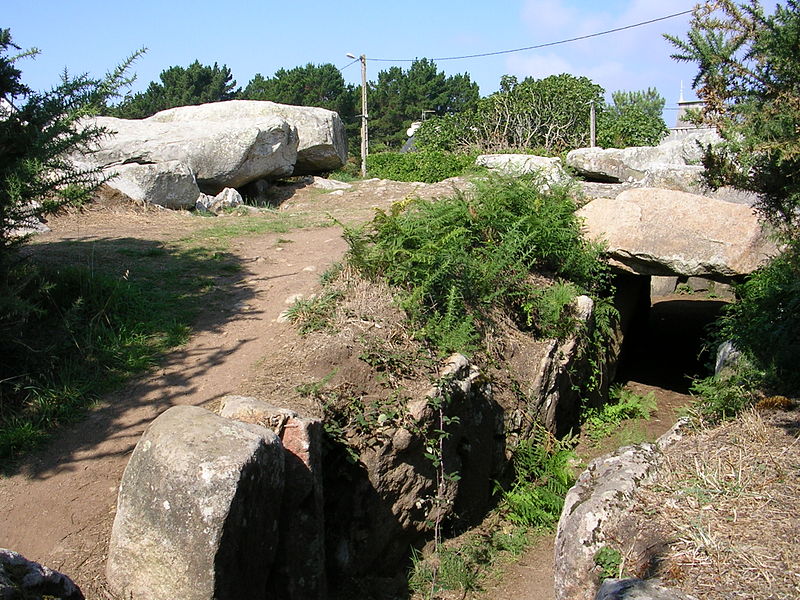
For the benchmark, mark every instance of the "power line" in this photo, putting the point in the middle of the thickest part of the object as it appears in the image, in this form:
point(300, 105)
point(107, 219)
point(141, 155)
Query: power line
point(574, 39)
point(348, 64)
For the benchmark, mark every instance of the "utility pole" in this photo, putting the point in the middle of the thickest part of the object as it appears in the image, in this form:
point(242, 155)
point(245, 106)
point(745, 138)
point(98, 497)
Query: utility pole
point(364, 114)
point(591, 124)
point(364, 117)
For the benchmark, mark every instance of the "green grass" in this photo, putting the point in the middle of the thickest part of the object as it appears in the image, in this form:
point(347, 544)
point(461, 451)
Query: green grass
point(222, 230)
point(623, 405)
point(86, 316)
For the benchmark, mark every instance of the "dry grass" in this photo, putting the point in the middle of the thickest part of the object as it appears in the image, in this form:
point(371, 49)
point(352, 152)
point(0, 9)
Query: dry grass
point(725, 507)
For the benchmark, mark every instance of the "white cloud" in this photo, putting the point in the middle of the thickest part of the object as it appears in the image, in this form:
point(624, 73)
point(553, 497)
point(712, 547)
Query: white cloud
point(632, 59)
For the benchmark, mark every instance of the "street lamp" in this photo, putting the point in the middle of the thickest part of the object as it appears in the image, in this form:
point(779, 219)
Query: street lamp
point(364, 117)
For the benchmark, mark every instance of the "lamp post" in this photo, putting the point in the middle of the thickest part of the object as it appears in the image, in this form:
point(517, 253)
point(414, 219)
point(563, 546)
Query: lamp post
point(364, 117)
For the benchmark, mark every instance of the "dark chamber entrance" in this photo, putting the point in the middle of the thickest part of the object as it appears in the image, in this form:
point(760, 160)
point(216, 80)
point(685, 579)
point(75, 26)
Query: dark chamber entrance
point(665, 344)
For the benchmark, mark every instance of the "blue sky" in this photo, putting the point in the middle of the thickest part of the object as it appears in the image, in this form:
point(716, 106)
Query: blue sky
point(260, 37)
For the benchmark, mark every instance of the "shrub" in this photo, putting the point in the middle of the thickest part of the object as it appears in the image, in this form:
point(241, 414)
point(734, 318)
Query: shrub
point(428, 166)
point(455, 260)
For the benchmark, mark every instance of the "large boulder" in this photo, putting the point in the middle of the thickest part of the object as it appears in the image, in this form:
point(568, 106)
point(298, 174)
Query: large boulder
point(218, 153)
point(170, 184)
point(23, 579)
point(653, 231)
point(322, 143)
point(549, 169)
point(617, 165)
point(674, 164)
point(592, 507)
point(198, 508)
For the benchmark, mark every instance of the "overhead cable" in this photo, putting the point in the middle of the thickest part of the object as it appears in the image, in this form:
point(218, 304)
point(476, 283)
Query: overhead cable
point(537, 46)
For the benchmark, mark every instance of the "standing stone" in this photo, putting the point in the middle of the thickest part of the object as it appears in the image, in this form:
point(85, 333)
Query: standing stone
point(592, 508)
point(299, 569)
point(197, 514)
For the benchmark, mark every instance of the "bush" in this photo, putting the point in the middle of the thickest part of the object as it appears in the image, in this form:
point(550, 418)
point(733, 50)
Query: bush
point(764, 323)
point(428, 167)
point(456, 260)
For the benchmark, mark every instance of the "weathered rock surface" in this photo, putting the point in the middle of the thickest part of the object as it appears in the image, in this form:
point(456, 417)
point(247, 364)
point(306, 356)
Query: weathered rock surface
point(592, 507)
point(674, 164)
point(638, 589)
point(227, 198)
point(553, 381)
point(330, 184)
point(379, 505)
point(198, 508)
point(662, 232)
point(23, 579)
point(322, 145)
point(218, 153)
point(170, 184)
point(616, 165)
point(299, 569)
point(550, 169)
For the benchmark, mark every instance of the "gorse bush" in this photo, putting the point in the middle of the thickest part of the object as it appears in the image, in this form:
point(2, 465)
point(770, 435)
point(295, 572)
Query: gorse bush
point(429, 166)
point(458, 259)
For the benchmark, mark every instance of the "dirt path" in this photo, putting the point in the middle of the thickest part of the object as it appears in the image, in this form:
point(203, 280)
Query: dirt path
point(59, 507)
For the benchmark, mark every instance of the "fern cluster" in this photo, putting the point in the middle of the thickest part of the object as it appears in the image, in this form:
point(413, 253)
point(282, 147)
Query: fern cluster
point(542, 479)
point(456, 260)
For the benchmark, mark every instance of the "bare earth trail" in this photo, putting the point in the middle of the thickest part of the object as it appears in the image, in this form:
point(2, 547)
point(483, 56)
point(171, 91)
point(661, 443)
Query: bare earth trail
point(59, 507)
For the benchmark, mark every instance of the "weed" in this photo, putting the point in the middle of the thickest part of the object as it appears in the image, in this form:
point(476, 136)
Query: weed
point(623, 405)
point(315, 313)
point(456, 260)
point(719, 398)
point(88, 326)
point(609, 560)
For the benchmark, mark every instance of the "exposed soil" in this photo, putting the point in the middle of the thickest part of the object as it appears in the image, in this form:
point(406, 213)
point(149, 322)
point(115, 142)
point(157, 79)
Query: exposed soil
point(59, 506)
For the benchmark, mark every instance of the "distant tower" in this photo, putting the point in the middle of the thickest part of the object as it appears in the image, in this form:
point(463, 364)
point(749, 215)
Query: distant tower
point(681, 124)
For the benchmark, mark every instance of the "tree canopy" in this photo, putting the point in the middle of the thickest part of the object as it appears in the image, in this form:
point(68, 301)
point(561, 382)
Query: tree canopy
point(749, 81)
point(400, 97)
point(633, 119)
point(179, 86)
point(549, 115)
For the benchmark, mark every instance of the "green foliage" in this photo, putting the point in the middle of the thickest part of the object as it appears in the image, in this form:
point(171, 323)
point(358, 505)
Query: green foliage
point(455, 260)
point(749, 80)
point(427, 166)
point(550, 113)
point(765, 322)
point(623, 405)
point(38, 130)
point(400, 97)
point(449, 569)
point(722, 398)
point(610, 562)
point(634, 119)
point(179, 86)
point(542, 479)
